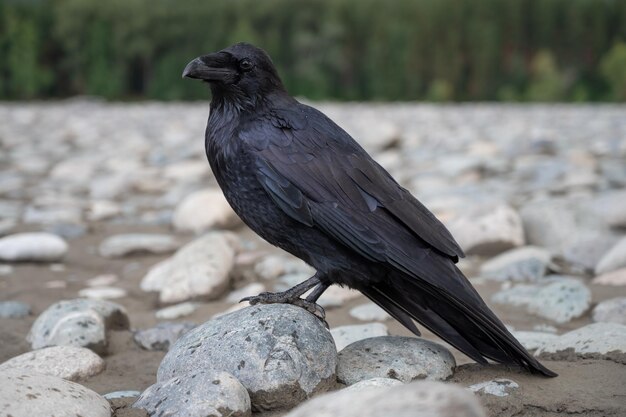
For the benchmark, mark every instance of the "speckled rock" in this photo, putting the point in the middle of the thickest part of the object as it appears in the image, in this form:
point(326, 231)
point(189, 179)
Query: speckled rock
point(402, 358)
point(556, 298)
point(369, 312)
point(345, 335)
point(78, 322)
point(35, 247)
point(161, 336)
point(610, 311)
point(199, 269)
point(417, 399)
point(498, 387)
point(204, 210)
point(280, 353)
point(527, 263)
point(204, 393)
point(118, 246)
point(487, 231)
point(67, 362)
point(614, 259)
point(28, 394)
point(14, 309)
point(593, 340)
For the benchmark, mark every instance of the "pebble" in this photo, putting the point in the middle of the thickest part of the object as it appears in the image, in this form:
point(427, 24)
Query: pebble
point(373, 383)
point(67, 362)
point(14, 309)
point(533, 340)
point(499, 387)
point(369, 312)
point(161, 336)
point(488, 230)
point(345, 335)
point(103, 293)
point(610, 311)
point(417, 399)
point(204, 210)
point(587, 251)
point(336, 296)
point(617, 278)
point(35, 247)
point(551, 224)
point(557, 298)
point(28, 394)
point(78, 322)
point(176, 311)
point(121, 394)
point(273, 266)
point(118, 246)
point(401, 358)
point(596, 339)
point(281, 353)
point(199, 269)
point(104, 280)
point(527, 263)
point(103, 210)
point(254, 288)
point(205, 392)
point(614, 259)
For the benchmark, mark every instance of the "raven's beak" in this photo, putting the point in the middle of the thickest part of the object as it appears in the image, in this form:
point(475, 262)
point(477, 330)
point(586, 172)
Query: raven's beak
point(210, 67)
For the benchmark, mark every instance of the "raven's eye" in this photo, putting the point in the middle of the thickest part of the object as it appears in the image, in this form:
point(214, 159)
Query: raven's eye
point(246, 65)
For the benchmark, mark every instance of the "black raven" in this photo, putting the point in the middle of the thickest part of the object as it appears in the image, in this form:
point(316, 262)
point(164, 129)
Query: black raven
point(304, 185)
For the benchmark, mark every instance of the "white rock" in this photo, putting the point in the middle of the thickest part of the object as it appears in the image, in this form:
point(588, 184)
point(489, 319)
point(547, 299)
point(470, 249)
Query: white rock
point(499, 387)
point(345, 335)
point(369, 312)
point(335, 296)
point(614, 259)
point(104, 280)
point(68, 362)
point(557, 298)
point(37, 247)
point(204, 210)
point(187, 170)
point(103, 210)
point(176, 311)
point(595, 338)
point(417, 399)
point(617, 278)
point(254, 288)
point(26, 394)
point(488, 230)
point(103, 293)
point(121, 245)
point(533, 340)
point(199, 269)
point(273, 266)
point(51, 215)
point(611, 311)
point(526, 263)
point(373, 383)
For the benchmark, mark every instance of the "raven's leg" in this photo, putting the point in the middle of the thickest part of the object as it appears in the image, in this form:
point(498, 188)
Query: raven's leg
point(292, 296)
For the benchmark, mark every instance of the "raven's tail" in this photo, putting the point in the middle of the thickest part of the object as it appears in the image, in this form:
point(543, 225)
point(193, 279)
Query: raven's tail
point(468, 325)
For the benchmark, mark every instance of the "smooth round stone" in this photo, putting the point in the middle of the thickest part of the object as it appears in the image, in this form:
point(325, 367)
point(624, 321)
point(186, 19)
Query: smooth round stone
point(14, 309)
point(369, 312)
point(118, 246)
point(402, 358)
point(35, 247)
point(373, 383)
point(252, 289)
point(616, 278)
point(499, 387)
point(534, 340)
point(161, 336)
point(596, 339)
point(67, 362)
point(614, 259)
point(528, 263)
point(103, 293)
point(176, 311)
point(203, 393)
point(204, 210)
point(610, 311)
point(28, 394)
point(121, 394)
point(281, 353)
point(345, 335)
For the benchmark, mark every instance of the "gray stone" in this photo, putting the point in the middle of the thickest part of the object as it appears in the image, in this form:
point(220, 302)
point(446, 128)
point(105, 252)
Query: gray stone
point(176, 311)
point(121, 394)
point(28, 394)
point(199, 269)
point(51, 215)
point(611, 208)
point(528, 263)
point(617, 278)
point(14, 309)
point(345, 335)
point(162, 336)
point(249, 290)
point(67, 362)
point(488, 230)
point(78, 322)
point(280, 353)
point(136, 243)
point(273, 266)
point(103, 293)
point(610, 311)
point(369, 312)
point(204, 210)
point(533, 340)
point(203, 393)
point(614, 259)
point(418, 399)
point(335, 296)
point(402, 358)
point(373, 383)
point(36, 247)
point(103, 210)
point(587, 251)
point(499, 387)
point(556, 298)
point(67, 230)
point(596, 339)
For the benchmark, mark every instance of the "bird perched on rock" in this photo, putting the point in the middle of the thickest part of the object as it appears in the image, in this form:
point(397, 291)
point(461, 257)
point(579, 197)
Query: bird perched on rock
point(304, 185)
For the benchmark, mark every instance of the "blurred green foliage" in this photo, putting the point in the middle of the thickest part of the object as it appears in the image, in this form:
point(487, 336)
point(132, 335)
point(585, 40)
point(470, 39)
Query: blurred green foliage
point(440, 50)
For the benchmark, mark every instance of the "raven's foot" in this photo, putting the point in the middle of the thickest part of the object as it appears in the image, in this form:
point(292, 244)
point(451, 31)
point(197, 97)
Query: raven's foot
point(286, 298)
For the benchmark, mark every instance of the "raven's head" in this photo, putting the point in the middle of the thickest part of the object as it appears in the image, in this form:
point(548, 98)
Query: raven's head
point(239, 72)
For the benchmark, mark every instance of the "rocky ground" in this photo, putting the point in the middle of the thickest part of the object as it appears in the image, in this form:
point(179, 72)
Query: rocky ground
point(116, 243)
